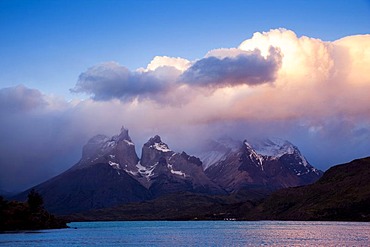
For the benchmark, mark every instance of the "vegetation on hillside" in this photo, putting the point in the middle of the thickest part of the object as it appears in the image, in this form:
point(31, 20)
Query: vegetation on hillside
point(180, 206)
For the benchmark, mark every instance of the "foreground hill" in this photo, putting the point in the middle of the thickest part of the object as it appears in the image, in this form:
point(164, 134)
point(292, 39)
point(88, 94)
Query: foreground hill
point(342, 193)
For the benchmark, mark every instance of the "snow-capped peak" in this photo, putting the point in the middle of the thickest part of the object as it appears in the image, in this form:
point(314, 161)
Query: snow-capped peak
point(274, 148)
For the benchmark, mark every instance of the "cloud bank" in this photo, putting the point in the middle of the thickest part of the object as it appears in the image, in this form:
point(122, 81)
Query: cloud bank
point(274, 84)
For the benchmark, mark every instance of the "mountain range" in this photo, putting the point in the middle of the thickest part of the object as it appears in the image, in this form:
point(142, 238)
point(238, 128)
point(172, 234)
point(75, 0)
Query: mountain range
point(110, 173)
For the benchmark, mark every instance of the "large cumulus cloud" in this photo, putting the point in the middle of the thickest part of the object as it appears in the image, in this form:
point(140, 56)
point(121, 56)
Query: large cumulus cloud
point(312, 92)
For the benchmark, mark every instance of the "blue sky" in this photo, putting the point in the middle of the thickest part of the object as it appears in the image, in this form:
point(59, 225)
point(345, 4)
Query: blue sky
point(296, 70)
point(47, 44)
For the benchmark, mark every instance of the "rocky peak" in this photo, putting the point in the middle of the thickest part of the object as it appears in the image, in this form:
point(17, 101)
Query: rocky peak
point(247, 145)
point(153, 150)
point(122, 136)
point(153, 140)
point(191, 159)
point(157, 144)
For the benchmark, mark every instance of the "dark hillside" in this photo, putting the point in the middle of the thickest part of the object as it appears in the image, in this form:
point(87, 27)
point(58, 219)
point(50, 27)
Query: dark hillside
point(342, 193)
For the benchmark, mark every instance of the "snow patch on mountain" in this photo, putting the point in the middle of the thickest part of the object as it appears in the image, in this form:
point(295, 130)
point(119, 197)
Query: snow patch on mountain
point(180, 173)
point(129, 142)
point(254, 155)
point(144, 171)
point(160, 146)
point(114, 165)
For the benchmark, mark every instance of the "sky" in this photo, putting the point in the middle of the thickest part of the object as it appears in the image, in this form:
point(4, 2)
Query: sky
point(186, 70)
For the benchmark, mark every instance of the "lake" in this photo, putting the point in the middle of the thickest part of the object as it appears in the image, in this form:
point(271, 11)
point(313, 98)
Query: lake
point(196, 233)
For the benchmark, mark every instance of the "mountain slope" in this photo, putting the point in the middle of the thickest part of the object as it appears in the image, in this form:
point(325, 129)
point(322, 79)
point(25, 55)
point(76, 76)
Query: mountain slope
point(98, 186)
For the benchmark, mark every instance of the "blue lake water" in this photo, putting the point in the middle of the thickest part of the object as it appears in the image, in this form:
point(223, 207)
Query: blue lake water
point(197, 233)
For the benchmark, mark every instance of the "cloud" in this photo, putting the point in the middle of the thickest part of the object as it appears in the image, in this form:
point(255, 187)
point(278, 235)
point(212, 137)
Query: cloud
point(356, 52)
point(304, 58)
point(311, 92)
point(165, 76)
point(111, 81)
